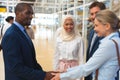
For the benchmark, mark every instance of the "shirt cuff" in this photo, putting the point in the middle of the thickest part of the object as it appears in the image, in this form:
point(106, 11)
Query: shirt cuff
point(64, 76)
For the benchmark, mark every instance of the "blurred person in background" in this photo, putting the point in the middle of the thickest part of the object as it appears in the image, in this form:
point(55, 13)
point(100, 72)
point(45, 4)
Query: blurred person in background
point(30, 32)
point(9, 20)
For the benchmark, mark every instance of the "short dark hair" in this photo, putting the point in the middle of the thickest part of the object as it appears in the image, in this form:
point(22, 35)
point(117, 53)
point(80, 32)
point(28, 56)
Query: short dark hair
point(101, 5)
point(9, 18)
point(20, 6)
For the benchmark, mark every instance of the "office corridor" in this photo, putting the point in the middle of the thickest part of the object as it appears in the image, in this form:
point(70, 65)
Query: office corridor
point(44, 46)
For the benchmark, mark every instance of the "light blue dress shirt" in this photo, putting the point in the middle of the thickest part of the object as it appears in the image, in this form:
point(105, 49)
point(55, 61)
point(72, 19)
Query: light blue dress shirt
point(21, 28)
point(104, 59)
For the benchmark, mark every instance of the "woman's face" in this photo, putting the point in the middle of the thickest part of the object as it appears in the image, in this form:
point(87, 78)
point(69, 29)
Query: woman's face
point(100, 28)
point(68, 25)
point(11, 21)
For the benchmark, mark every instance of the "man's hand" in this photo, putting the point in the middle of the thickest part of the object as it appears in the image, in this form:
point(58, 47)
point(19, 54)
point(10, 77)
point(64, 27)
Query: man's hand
point(56, 76)
point(50, 75)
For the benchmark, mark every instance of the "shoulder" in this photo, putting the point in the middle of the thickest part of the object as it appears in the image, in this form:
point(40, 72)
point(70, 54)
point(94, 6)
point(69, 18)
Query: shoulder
point(107, 44)
point(78, 38)
point(57, 33)
point(9, 33)
point(12, 31)
point(59, 30)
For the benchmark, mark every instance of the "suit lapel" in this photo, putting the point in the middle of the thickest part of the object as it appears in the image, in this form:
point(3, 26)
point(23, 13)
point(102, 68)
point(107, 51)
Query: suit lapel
point(23, 36)
point(90, 39)
point(96, 40)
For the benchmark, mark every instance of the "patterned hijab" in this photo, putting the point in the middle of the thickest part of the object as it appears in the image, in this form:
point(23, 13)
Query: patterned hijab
point(65, 36)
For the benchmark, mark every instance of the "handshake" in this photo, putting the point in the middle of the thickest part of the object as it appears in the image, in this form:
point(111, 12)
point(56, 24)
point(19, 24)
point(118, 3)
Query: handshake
point(53, 75)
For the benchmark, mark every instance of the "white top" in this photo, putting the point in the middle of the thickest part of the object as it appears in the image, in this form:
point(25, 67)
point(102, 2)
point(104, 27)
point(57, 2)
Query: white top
point(5, 27)
point(104, 59)
point(68, 50)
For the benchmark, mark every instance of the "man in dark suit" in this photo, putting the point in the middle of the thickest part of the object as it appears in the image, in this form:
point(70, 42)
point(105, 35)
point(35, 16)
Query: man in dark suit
point(18, 50)
point(93, 40)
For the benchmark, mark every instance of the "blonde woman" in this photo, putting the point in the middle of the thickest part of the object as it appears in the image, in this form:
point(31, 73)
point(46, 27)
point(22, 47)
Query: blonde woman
point(105, 57)
point(69, 45)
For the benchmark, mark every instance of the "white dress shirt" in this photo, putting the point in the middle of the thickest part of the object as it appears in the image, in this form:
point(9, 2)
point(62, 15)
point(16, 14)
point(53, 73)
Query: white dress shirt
point(104, 59)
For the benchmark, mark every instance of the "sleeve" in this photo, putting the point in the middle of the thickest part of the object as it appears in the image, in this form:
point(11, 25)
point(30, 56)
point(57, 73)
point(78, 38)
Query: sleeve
point(14, 61)
point(57, 33)
point(81, 51)
point(56, 51)
point(101, 56)
point(56, 57)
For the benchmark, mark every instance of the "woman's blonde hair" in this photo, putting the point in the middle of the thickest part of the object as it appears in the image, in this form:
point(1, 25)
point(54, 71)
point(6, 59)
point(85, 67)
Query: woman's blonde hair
point(107, 16)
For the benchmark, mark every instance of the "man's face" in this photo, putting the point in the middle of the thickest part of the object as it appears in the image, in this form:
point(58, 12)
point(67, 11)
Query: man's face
point(93, 12)
point(24, 17)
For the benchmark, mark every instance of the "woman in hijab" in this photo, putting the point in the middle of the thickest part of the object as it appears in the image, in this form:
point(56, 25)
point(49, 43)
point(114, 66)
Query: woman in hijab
point(69, 45)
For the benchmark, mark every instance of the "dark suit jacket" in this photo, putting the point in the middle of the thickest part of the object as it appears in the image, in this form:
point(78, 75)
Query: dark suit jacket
point(94, 46)
point(19, 56)
point(93, 49)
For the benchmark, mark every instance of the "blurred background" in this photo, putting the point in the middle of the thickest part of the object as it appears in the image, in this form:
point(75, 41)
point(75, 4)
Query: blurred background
point(47, 18)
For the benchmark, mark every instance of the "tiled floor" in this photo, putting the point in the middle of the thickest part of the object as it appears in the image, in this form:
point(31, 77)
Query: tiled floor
point(44, 46)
